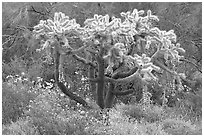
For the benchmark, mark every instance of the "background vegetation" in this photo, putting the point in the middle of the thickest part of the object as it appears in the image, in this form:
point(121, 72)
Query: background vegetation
point(33, 104)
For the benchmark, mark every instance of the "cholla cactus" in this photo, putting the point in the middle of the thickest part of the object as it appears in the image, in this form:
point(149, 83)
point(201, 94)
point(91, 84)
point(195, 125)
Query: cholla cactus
point(133, 24)
point(165, 43)
point(56, 29)
point(59, 26)
point(145, 65)
point(108, 40)
point(115, 56)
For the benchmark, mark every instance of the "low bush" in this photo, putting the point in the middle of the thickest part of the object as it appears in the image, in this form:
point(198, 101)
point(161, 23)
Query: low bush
point(121, 124)
point(138, 111)
point(50, 112)
point(176, 126)
point(20, 127)
point(15, 97)
point(45, 119)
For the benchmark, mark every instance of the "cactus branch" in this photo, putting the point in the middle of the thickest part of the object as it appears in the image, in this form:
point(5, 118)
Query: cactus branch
point(107, 79)
point(83, 60)
point(155, 53)
point(188, 61)
point(72, 96)
point(75, 51)
point(164, 67)
point(126, 92)
point(62, 87)
point(135, 75)
point(124, 74)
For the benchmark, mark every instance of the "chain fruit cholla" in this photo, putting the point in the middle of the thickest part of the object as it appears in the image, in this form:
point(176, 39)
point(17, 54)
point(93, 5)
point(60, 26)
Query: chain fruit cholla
point(111, 43)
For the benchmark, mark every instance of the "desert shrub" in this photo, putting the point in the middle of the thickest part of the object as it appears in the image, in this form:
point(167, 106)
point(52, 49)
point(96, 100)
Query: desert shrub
point(35, 70)
point(151, 128)
point(43, 111)
point(52, 113)
point(16, 95)
point(180, 120)
point(15, 67)
point(48, 116)
point(20, 127)
point(192, 102)
point(120, 124)
point(176, 126)
point(138, 111)
point(11, 105)
point(117, 124)
point(188, 107)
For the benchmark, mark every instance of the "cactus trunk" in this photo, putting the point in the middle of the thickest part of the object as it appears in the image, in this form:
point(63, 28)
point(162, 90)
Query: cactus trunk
point(92, 84)
point(110, 97)
point(61, 85)
point(100, 83)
